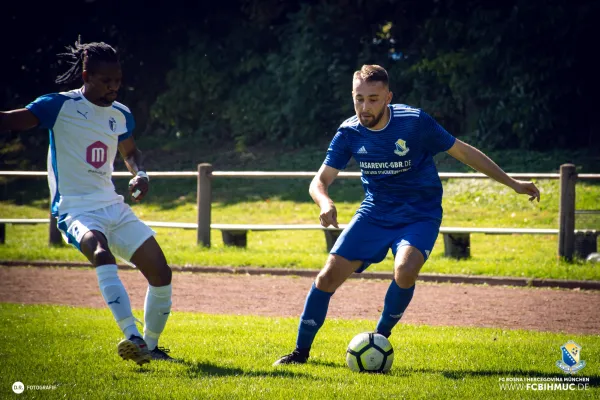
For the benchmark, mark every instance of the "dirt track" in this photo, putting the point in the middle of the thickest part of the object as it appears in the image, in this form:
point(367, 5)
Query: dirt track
point(568, 311)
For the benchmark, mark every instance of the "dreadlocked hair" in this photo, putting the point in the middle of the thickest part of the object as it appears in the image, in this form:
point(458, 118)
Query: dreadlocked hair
point(84, 56)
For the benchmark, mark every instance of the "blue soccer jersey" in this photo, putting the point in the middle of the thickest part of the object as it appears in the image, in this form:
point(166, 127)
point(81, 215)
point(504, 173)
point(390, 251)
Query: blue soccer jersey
point(399, 176)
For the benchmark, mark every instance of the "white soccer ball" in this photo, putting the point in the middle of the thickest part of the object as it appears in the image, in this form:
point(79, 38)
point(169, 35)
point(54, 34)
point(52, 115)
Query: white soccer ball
point(370, 352)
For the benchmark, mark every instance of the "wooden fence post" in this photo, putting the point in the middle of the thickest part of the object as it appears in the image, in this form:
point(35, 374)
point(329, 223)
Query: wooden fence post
point(457, 245)
point(566, 211)
point(331, 237)
point(204, 199)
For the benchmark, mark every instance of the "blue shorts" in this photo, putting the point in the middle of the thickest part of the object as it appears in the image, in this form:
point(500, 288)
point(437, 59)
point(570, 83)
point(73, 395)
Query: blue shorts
point(363, 240)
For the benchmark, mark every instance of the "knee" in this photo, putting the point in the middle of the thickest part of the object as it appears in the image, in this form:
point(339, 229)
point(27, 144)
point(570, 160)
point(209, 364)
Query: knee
point(103, 256)
point(405, 276)
point(166, 275)
point(336, 271)
point(163, 276)
point(326, 282)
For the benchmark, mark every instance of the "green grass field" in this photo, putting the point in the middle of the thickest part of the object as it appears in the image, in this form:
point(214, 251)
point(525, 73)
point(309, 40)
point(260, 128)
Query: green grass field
point(230, 357)
point(466, 203)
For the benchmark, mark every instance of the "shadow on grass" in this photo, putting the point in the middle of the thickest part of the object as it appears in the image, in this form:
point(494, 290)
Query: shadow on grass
point(170, 193)
point(199, 369)
point(325, 363)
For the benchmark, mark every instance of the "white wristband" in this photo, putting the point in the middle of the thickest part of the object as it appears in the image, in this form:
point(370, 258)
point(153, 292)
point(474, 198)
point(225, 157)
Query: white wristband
point(143, 174)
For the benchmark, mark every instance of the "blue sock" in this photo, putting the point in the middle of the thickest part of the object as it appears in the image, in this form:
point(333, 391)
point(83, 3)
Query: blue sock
point(396, 301)
point(313, 317)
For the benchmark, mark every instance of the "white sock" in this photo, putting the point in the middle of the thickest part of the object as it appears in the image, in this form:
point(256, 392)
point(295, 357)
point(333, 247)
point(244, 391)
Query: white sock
point(116, 298)
point(157, 308)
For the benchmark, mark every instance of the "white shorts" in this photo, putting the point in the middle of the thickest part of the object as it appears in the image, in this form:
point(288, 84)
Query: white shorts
point(123, 230)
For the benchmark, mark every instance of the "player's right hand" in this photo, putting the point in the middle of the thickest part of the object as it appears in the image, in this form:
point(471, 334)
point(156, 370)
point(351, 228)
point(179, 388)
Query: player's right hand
point(328, 216)
point(138, 188)
point(529, 188)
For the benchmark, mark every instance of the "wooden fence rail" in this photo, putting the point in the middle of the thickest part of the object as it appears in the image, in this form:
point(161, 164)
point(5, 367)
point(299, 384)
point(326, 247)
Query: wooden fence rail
point(568, 177)
point(303, 174)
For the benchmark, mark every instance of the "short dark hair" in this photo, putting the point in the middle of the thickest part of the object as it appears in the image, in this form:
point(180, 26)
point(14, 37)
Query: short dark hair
point(372, 73)
point(84, 56)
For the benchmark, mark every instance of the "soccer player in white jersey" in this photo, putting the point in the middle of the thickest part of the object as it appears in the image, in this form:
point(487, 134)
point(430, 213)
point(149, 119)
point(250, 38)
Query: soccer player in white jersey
point(87, 126)
point(394, 145)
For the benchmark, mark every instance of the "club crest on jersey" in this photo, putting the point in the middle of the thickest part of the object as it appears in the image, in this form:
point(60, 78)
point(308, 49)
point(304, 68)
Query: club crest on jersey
point(112, 123)
point(401, 148)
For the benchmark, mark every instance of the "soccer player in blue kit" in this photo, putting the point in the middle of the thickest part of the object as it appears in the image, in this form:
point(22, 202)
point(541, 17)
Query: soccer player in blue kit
point(394, 145)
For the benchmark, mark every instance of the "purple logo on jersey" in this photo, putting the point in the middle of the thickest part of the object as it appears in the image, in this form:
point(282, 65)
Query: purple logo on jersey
point(96, 154)
point(112, 123)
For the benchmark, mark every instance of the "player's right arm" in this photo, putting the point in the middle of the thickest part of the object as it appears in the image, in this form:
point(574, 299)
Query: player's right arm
point(319, 191)
point(338, 155)
point(17, 120)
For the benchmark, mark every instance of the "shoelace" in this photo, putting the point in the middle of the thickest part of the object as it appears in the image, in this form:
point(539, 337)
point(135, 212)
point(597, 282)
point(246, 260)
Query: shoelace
point(163, 349)
point(293, 355)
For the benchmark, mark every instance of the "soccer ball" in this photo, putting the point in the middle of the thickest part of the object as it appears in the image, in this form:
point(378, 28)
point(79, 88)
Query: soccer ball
point(370, 352)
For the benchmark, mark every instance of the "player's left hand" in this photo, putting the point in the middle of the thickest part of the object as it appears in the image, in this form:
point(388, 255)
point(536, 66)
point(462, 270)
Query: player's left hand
point(529, 188)
point(138, 187)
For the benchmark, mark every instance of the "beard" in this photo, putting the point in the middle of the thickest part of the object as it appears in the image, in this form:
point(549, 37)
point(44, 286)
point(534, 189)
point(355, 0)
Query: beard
point(108, 99)
point(373, 121)
point(105, 101)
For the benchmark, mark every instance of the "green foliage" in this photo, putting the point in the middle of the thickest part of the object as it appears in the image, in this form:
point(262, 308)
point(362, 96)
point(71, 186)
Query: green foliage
point(291, 86)
point(510, 75)
point(489, 72)
point(485, 72)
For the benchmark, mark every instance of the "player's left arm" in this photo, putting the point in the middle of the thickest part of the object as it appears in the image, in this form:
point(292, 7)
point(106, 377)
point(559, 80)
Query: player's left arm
point(139, 185)
point(476, 159)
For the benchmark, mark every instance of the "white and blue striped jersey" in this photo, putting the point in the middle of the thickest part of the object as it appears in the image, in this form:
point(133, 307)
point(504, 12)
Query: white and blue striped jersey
point(83, 144)
point(398, 173)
